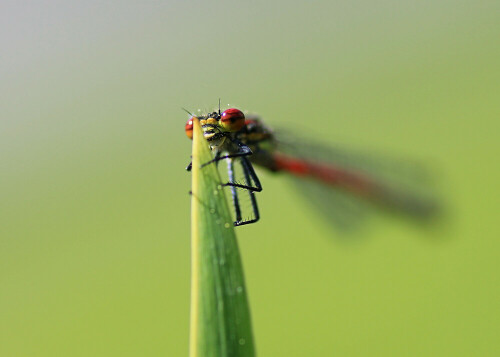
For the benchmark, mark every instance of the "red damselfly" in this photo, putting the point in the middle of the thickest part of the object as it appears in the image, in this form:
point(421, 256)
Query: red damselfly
point(243, 141)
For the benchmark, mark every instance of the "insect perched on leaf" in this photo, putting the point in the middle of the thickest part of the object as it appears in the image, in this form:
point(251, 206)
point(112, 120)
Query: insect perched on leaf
point(243, 141)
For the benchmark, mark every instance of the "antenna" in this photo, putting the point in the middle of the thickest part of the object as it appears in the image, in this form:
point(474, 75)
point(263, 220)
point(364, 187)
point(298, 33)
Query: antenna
point(187, 111)
point(219, 106)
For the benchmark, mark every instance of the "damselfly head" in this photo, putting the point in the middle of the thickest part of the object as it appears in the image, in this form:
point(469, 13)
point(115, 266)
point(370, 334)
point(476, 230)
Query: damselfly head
point(215, 125)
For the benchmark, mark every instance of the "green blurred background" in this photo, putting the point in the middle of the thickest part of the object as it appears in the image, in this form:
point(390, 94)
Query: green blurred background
point(94, 204)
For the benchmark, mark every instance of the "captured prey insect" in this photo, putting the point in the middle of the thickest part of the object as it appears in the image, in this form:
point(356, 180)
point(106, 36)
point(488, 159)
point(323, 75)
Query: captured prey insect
point(243, 141)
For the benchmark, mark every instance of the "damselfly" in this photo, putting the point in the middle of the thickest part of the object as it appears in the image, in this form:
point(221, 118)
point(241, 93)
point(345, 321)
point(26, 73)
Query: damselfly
point(243, 141)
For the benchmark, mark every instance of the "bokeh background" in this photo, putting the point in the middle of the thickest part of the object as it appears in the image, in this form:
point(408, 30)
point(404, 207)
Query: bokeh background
point(94, 204)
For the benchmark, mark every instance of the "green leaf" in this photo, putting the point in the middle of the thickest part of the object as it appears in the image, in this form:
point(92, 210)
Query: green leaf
point(220, 316)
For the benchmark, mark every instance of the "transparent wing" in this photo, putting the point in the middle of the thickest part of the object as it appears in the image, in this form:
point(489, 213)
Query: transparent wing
point(384, 167)
point(358, 182)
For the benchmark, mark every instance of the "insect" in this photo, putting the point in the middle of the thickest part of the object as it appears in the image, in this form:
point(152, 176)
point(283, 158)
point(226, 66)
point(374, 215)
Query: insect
point(243, 141)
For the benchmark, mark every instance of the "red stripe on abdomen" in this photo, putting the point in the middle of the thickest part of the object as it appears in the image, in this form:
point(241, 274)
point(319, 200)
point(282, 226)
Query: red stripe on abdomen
point(328, 174)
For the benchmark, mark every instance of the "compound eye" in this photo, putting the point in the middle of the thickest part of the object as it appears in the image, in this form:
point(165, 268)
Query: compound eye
point(189, 128)
point(232, 119)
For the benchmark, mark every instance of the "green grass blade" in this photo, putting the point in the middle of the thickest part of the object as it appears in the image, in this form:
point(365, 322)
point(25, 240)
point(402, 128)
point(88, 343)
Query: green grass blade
point(220, 317)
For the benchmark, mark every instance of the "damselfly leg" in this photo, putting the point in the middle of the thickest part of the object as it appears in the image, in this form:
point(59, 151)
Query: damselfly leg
point(241, 150)
point(252, 184)
point(242, 180)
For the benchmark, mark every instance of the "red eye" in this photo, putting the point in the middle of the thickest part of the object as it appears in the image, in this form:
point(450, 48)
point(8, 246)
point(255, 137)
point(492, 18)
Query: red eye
point(189, 128)
point(232, 119)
